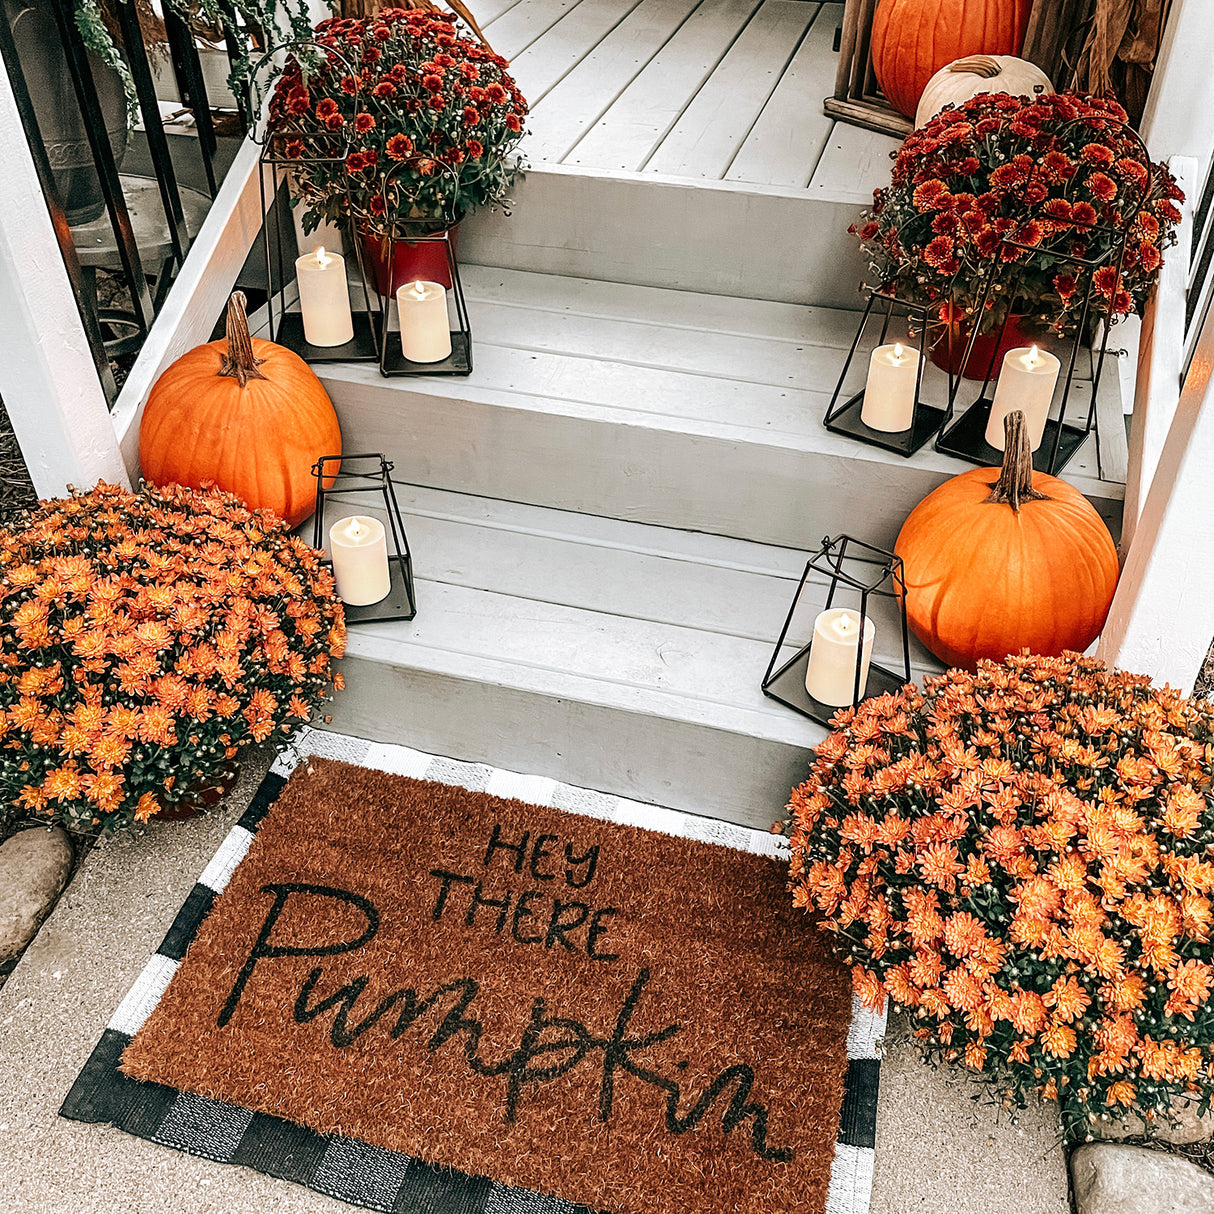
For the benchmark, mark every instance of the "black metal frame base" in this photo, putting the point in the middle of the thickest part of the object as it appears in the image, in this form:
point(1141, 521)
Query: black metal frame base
point(847, 420)
point(398, 604)
point(787, 686)
point(966, 439)
point(362, 347)
point(458, 362)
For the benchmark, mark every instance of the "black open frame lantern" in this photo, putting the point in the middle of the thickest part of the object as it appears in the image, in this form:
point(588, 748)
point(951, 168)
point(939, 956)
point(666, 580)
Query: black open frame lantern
point(861, 573)
point(282, 151)
point(845, 414)
point(437, 234)
point(963, 434)
point(368, 474)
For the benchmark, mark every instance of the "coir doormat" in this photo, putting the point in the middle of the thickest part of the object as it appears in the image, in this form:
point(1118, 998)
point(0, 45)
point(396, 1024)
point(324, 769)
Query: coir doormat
point(405, 977)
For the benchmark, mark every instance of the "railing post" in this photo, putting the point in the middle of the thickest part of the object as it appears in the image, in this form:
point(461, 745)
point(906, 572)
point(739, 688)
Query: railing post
point(48, 379)
point(1162, 616)
point(1160, 360)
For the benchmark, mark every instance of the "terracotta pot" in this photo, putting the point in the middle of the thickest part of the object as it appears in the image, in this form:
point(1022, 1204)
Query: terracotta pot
point(202, 798)
point(948, 356)
point(412, 261)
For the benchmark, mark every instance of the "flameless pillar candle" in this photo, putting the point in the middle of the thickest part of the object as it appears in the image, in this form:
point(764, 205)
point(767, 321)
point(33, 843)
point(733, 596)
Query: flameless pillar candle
point(889, 394)
point(359, 549)
point(1026, 382)
point(425, 335)
point(324, 298)
point(830, 676)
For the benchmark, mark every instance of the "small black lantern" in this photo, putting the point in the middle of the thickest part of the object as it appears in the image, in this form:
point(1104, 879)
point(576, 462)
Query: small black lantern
point(865, 574)
point(368, 473)
point(846, 413)
point(1067, 424)
point(403, 229)
point(288, 147)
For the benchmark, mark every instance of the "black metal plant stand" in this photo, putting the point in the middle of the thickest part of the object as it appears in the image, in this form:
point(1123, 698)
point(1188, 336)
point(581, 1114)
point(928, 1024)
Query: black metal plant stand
point(368, 473)
point(864, 571)
point(286, 325)
point(846, 416)
point(964, 436)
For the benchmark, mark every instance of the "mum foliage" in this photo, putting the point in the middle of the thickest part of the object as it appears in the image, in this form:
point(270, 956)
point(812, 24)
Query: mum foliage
point(1024, 858)
point(144, 639)
point(400, 117)
point(1053, 174)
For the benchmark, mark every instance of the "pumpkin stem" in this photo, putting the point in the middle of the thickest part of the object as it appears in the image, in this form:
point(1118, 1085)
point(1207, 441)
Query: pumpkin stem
point(985, 66)
point(1015, 483)
point(239, 363)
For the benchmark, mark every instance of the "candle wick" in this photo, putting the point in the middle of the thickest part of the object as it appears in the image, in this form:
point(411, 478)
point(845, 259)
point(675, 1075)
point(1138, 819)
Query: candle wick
point(419, 290)
point(321, 259)
point(898, 350)
point(1034, 356)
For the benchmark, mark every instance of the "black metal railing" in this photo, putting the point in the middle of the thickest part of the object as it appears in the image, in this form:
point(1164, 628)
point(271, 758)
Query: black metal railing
point(124, 243)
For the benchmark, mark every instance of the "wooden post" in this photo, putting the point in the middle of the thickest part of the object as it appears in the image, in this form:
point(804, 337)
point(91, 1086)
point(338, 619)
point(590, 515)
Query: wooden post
point(1162, 616)
point(48, 379)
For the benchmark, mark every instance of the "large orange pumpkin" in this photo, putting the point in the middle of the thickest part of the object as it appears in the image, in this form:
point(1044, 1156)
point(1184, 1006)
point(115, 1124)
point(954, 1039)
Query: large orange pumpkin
point(914, 39)
point(244, 413)
point(1002, 560)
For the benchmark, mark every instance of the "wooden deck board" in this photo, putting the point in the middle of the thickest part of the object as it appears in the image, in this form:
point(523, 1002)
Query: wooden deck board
point(577, 102)
point(853, 162)
point(631, 130)
point(551, 58)
point(713, 127)
point(524, 24)
point(786, 141)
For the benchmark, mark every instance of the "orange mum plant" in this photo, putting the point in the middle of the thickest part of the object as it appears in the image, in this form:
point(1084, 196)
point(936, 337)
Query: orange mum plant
point(145, 638)
point(1023, 858)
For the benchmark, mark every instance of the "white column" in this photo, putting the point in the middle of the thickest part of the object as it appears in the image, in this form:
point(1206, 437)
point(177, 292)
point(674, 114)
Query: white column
point(47, 376)
point(1162, 618)
point(1160, 359)
point(1176, 120)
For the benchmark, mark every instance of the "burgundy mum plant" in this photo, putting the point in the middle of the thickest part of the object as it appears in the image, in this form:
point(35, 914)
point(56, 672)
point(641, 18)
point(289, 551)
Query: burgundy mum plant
point(1054, 174)
point(402, 117)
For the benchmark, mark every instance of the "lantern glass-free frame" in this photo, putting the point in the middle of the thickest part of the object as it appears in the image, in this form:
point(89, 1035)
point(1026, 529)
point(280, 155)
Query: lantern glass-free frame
point(409, 235)
point(883, 312)
point(846, 569)
point(353, 480)
point(1082, 358)
point(282, 150)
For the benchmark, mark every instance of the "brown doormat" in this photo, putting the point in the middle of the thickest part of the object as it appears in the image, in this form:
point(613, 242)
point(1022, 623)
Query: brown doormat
point(612, 1016)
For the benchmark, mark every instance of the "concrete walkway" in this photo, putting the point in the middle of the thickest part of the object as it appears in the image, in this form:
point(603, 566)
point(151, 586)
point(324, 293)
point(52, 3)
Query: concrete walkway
point(938, 1152)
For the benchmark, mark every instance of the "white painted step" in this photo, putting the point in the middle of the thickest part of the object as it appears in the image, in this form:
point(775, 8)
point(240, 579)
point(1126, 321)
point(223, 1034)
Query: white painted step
point(692, 234)
point(686, 410)
point(613, 655)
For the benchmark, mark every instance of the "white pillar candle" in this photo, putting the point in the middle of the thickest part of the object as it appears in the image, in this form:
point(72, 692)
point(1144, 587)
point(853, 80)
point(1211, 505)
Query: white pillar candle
point(359, 548)
point(425, 334)
point(324, 298)
point(830, 676)
point(889, 394)
point(1026, 382)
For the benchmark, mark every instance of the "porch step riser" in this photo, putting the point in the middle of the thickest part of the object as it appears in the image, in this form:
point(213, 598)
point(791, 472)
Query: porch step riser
point(631, 469)
point(655, 759)
point(710, 237)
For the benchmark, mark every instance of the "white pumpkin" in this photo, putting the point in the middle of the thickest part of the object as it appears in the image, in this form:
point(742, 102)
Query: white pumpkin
point(965, 78)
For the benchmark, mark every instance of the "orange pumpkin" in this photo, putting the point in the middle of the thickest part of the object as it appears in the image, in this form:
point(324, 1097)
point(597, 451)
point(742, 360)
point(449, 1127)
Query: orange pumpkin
point(914, 39)
point(1002, 560)
point(244, 413)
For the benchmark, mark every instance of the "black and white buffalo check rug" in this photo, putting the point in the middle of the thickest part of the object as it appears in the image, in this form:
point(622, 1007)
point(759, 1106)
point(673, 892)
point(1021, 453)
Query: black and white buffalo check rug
point(356, 1172)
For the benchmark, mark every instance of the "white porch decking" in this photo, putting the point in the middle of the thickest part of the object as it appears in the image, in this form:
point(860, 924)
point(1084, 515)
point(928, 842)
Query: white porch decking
point(707, 90)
